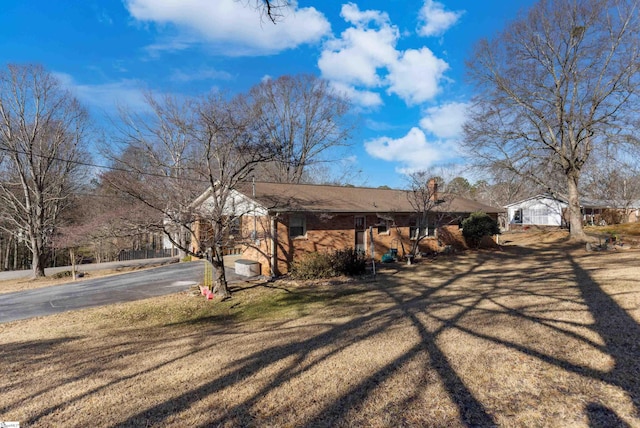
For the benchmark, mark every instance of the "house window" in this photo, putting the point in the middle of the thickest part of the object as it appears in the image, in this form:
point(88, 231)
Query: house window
point(517, 216)
point(383, 226)
point(297, 226)
point(234, 227)
point(414, 228)
point(417, 229)
point(539, 215)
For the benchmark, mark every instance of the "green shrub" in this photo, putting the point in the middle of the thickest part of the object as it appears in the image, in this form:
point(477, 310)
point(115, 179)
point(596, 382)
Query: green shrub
point(477, 226)
point(326, 265)
point(348, 262)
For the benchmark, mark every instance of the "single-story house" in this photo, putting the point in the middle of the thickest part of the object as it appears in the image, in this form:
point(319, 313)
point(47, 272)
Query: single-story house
point(551, 210)
point(280, 221)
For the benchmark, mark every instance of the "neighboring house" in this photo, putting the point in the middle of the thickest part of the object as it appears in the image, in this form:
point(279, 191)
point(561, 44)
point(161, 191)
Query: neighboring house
point(279, 222)
point(550, 210)
point(539, 210)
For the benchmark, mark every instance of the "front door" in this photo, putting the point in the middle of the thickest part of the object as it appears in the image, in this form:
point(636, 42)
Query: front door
point(360, 244)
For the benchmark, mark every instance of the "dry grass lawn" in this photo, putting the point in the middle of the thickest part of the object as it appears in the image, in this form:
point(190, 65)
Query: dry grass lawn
point(543, 334)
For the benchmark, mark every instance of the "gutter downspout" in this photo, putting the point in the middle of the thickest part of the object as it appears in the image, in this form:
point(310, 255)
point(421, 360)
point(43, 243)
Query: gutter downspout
point(274, 247)
point(255, 218)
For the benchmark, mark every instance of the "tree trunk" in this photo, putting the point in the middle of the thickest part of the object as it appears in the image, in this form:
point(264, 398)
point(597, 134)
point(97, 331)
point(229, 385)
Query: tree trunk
point(38, 265)
point(182, 243)
point(575, 213)
point(416, 246)
point(37, 257)
point(15, 254)
point(221, 287)
point(5, 263)
point(72, 256)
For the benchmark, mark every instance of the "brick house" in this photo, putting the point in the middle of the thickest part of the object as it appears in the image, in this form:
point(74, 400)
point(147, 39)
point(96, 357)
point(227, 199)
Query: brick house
point(278, 222)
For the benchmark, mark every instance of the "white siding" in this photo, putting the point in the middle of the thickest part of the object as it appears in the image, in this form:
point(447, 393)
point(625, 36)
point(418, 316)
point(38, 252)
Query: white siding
point(237, 204)
point(540, 211)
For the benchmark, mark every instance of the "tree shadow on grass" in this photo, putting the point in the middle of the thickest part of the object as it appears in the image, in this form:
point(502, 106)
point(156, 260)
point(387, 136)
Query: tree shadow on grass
point(620, 332)
point(603, 417)
point(28, 352)
point(305, 354)
point(47, 410)
point(471, 410)
point(471, 292)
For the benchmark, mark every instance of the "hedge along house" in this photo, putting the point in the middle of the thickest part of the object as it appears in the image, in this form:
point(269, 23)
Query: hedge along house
point(279, 222)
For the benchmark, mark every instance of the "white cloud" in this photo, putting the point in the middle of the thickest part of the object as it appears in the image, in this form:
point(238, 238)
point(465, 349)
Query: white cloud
point(412, 151)
point(230, 26)
point(352, 14)
point(359, 97)
point(364, 59)
point(420, 150)
point(200, 74)
point(415, 77)
point(435, 20)
point(445, 121)
point(355, 57)
point(170, 44)
point(107, 96)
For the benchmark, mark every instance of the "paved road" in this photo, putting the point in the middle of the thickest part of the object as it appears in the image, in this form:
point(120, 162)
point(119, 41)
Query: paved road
point(102, 291)
point(19, 274)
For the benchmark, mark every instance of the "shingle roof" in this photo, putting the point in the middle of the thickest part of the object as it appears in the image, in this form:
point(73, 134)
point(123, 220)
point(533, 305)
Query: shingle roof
point(283, 197)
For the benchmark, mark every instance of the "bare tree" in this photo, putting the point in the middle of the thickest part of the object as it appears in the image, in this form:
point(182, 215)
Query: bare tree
point(232, 148)
point(43, 131)
point(340, 173)
point(614, 182)
point(429, 206)
point(101, 222)
point(8, 249)
point(172, 152)
point(554, 85)
point(156, 163)
point(460, 186)
point(303, 120)
point(506, 187)
point(172, 155)
point(272, 9)
point(74, 230)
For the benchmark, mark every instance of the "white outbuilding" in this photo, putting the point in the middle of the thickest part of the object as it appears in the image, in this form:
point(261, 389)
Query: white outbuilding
point(539, 210)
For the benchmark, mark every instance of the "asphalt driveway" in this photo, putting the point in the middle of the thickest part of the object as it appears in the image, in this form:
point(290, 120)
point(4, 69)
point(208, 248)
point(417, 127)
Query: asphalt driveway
point(19, 274)
point(124, 287)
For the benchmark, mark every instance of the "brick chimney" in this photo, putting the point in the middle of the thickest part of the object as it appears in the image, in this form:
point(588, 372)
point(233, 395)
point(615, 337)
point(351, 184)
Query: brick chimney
point(432, 187)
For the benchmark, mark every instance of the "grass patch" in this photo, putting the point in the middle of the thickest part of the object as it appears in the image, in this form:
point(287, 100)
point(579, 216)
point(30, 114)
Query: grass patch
point(264, 302)
point(299, 301)
point(627, 229)
point(539, 335)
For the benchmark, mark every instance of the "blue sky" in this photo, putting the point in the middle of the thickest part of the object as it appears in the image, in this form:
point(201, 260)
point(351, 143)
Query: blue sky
point(401, 62)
